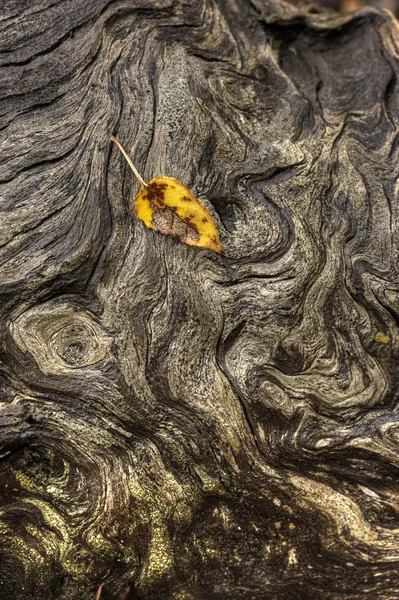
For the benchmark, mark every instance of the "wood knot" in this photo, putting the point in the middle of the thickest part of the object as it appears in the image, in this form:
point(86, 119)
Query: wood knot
point(60, 337)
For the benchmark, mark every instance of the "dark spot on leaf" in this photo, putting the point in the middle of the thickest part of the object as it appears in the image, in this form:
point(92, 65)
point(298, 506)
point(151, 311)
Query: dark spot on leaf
point(156, 191)
point(169, 223)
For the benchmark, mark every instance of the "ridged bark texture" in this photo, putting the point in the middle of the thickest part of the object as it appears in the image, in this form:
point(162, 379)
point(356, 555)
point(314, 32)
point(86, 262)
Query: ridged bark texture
point(186, 424)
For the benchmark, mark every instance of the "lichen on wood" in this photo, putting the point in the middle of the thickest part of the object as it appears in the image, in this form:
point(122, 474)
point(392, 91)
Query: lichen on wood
point(182, 423)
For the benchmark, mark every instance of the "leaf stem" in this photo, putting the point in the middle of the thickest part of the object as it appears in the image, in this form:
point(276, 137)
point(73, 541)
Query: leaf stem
point(131, 165)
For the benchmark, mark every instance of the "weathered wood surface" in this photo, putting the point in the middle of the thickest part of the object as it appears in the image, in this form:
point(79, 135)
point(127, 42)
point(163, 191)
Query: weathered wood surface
point(186, 424)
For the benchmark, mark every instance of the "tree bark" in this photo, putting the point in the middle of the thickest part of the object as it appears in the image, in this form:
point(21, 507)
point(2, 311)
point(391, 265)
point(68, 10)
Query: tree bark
point(186, 424)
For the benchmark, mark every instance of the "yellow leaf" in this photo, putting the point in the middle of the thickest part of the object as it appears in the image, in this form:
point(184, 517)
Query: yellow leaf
point(382, 338)
point(167, 206)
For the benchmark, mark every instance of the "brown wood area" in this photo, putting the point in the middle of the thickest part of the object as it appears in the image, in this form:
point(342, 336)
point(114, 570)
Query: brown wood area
point(178, 424)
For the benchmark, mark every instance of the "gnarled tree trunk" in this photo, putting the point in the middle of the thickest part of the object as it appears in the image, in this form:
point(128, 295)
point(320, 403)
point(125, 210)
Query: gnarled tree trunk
point(188, 424)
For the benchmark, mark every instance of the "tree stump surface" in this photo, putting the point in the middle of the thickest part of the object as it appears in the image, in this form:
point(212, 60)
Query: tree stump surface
point(186, 424)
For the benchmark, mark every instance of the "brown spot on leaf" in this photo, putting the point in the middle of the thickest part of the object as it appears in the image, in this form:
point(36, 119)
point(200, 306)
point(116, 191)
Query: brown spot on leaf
point(166, 221)
point(155, 191)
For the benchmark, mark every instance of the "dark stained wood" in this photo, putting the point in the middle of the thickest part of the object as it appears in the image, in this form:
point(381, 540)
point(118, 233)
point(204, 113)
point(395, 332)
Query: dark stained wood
point(187, 424)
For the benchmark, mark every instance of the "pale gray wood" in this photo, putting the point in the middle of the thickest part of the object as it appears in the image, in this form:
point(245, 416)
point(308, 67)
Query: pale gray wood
point(187, 424)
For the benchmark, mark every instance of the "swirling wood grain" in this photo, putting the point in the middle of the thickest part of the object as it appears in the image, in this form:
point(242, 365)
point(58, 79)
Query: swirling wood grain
point(190, 425)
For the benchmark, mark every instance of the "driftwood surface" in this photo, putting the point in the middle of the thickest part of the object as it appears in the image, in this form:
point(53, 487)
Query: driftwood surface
point(181, 423)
